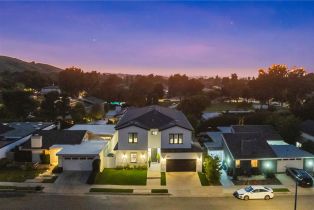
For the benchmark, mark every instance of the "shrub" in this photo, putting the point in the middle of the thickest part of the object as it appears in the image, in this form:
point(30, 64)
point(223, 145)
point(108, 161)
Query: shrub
point(163, 180)
point(45, 158)
point(23, 156)
point(159, 190)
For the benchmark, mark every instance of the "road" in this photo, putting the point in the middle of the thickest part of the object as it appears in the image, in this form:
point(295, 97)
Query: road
point(60, 202)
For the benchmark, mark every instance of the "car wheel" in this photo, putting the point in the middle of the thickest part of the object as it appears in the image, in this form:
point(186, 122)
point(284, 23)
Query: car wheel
point(246, 198)
point(266, 197)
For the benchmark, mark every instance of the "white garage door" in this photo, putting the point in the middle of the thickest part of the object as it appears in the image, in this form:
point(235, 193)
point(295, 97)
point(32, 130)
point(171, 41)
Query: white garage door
point(283, 163)
point(77, 164)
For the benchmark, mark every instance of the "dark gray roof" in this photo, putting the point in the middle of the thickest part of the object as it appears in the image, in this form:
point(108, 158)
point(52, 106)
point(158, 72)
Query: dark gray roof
point(22, 129)
point(93, 100)
point(4, 128)
point(307, 127)
point(267, 131)
point(195, 147)
point(290, 151)
point(53, 137)
point(248, 146)
point(157, 117)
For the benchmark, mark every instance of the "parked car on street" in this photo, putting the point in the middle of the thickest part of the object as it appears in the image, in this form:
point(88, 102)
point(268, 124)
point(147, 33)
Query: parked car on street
point(303, 178)
point(254, 192)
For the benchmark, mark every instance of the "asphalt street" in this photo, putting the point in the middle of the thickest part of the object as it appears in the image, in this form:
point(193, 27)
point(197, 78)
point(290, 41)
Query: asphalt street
point(108, 202)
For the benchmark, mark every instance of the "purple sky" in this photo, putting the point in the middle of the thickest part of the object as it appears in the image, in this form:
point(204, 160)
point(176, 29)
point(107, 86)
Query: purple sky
point(197, 38)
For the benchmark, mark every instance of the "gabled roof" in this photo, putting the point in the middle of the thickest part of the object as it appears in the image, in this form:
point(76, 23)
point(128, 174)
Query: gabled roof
point(307, 127)
point(154, 117)
point(95, 129)
point(53, 137)
point(248, 146)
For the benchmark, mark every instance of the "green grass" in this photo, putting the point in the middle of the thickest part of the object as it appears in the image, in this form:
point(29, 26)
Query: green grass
point(111, 190)
point(51, 180)
point(281, 190)
point(203, 179)
point(17, 175)
point(159, 191)
point(163, 180)
point(122, 177)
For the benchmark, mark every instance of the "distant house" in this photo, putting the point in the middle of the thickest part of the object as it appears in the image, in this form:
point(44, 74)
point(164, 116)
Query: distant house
point(157, 135)
point(90, 101)
point(16, 133)
point(254, 149)
point(70, 149)
point(49, 89)
point(307, 130)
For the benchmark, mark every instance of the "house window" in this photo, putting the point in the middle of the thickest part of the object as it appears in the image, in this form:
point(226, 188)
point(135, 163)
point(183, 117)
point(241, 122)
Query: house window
point(237, 163)
point(254, 163)
point(133, 158)
point(176, 138)
point(132, 137)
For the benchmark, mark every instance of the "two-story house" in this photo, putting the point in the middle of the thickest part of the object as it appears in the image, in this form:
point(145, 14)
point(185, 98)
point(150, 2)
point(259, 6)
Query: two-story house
point(157, 135)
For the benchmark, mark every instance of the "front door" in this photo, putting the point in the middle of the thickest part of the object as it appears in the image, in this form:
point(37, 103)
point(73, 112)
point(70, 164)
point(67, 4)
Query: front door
point(153, 155)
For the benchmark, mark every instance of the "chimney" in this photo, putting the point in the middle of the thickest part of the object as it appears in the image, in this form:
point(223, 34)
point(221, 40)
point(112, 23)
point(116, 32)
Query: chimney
point(36, 141)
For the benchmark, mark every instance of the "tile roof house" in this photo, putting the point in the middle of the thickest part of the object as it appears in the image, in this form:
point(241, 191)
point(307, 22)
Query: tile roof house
point(253, 149)
point(159, 135)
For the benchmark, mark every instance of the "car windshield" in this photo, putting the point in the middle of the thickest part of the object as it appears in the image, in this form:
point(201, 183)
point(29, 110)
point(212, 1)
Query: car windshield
point(248, 189)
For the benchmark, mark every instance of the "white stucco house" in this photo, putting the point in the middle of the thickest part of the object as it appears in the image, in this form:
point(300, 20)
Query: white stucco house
point(156, 135)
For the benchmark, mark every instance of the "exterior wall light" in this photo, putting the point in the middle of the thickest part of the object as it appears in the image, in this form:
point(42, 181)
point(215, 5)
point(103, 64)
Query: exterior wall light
point(267, 165)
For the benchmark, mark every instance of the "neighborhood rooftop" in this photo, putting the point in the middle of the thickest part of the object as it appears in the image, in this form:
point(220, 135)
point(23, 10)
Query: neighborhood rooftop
point(290, 151)
point(248, 145)
point(154, 117)
point(103, 129)
point(267, 131)
point(52, 137)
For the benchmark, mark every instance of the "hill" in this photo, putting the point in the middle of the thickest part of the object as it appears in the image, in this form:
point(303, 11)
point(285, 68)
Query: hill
point(15, 65)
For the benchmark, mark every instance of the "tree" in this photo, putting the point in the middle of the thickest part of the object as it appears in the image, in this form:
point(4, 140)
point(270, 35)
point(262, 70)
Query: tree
point(177, 85)
point(286, 125)
point(63, 105)
point(19, 103)
point(78, 113)
point(97, 112)
point(70, 80)
point(48, 105)
point(306, 110)
point(212, 169)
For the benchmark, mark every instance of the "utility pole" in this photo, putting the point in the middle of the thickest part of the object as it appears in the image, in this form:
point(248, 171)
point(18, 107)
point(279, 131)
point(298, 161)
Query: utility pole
point(296, 194)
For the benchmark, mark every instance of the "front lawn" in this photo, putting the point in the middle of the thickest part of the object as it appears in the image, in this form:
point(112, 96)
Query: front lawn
point(18, 175)
point(159, 191)
point(121, 177)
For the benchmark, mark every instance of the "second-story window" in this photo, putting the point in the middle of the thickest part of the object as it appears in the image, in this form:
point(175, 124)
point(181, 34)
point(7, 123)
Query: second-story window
point(176, 138)
point(132, 137)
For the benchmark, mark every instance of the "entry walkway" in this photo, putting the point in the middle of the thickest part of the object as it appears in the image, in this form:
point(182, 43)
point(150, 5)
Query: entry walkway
point(225, 180)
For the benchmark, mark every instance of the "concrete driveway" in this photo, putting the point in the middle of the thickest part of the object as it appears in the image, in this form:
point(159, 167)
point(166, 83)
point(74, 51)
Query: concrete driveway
point(182, 180)
point(69, 182)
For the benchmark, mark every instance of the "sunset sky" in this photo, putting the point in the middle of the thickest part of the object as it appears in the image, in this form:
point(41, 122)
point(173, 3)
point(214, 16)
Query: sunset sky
point(160, 37)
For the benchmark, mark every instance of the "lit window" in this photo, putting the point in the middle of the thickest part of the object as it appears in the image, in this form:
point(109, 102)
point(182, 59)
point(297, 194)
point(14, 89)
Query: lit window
point(238, 163)
point(132, 137)
point(133, 157)
point(176, 138)
point(254, 163)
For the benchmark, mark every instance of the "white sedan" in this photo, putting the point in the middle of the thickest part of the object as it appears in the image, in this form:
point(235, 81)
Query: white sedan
point(254, 192)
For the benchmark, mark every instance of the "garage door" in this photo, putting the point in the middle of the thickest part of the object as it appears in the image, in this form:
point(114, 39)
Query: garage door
point(295, 163)
point(173, 165)
point(77, 164)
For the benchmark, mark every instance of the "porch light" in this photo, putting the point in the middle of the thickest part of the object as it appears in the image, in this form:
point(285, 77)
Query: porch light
point(267, 165)
point(309, 163)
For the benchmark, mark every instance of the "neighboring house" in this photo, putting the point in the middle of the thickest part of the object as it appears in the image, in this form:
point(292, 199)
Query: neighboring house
point(158, 135)
point(70, 149)
point(210, 115)
point(90, 101)
point(49, 89)
point(113, 116)
point(255, 149)
point(307, 130)
point(16, 133)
